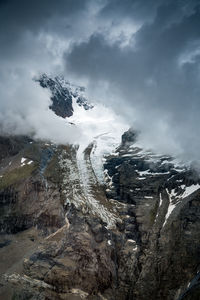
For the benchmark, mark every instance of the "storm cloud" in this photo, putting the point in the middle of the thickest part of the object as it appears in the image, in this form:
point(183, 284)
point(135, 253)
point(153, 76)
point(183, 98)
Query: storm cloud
point(141, 58)
point(156, 75)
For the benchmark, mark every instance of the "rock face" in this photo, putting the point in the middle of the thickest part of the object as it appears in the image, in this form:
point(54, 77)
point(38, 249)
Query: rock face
point(64, 235)
point(164, 221)
point(62, 95)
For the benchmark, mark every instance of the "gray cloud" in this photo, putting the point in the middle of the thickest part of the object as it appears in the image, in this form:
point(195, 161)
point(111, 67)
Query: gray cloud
point(157, 75)
point(140, 57)
point(32, 37)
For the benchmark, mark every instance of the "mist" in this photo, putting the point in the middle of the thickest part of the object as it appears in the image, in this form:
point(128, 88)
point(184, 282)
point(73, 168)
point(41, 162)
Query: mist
point(140, 59)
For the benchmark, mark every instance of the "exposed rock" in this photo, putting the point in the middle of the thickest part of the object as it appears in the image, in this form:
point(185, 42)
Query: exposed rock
point(62, 95)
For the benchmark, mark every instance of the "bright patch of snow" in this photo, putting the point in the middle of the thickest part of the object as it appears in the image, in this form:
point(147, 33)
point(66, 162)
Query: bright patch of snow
point(23, 159)
point(149, 172)
point(127, 155)
point(160, 203)
point(189, 189)
point(141, 173)
point(161, 200)
point(170, 207)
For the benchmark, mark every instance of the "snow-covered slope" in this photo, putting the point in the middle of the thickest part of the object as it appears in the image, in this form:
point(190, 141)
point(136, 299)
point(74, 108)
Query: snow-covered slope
point(101, 127)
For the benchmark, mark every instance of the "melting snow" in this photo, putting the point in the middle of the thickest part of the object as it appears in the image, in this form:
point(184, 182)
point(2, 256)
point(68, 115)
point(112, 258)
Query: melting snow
point(189, 189)
point(23, 159)
point(25, 162)
point(149, 172)
point(170, 207)
point(160, 203)
point(131, 241)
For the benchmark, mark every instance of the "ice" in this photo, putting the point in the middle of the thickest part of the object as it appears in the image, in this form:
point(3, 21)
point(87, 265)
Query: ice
point(160, 204)
point(102, 127)
point(170, 207)
point(149, 172)
point(24, 161)
point(189, 189)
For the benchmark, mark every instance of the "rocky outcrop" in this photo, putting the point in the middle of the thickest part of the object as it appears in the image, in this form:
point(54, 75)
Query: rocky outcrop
point(62, 95)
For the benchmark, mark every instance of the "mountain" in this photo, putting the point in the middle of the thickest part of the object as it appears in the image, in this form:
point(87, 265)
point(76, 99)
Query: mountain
point(62, 94)
point(102, 219)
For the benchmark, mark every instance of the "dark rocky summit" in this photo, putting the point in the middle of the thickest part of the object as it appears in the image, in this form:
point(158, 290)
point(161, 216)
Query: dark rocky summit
point(62, 95)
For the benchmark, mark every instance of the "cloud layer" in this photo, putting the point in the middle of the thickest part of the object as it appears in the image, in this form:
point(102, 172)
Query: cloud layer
point(142, 58)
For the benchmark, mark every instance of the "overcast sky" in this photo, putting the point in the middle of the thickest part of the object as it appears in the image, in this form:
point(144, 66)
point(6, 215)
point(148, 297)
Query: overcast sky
point(140, 57)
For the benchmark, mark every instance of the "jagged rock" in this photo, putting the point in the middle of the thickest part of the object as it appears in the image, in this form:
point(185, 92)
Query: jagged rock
point(62, 95)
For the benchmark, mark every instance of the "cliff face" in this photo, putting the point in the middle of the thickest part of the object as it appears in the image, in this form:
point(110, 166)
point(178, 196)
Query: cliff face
point(164, 224)
point(66, 235)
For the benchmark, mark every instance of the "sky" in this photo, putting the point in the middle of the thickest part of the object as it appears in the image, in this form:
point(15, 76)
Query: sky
point(140, 58)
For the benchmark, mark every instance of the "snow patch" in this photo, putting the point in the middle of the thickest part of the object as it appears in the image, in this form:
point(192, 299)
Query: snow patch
point(24, 161)
point(170, 207)
point(189, 189)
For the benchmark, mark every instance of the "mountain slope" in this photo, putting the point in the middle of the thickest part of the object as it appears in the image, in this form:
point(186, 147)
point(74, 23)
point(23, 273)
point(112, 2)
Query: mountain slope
point(102, 219)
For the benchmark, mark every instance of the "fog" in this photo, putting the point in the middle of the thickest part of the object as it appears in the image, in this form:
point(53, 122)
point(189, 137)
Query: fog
point(139, 58)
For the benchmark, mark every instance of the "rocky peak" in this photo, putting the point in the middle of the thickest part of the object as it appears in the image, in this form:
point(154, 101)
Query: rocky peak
point(63, 94)
point(129, 137)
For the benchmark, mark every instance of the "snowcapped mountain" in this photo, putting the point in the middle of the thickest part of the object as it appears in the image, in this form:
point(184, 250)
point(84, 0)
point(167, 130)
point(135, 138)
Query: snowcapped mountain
point(103, 218)
point(63, 94)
